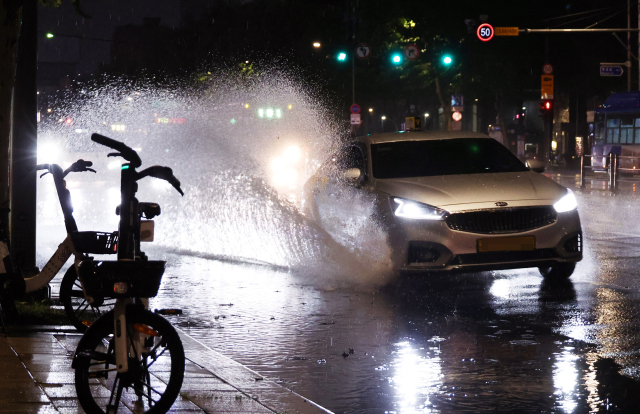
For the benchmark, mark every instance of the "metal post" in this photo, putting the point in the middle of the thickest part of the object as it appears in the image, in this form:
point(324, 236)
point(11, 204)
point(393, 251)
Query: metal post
point(629, 45)
point(23, 143)
point(616, 171)
point(611, 170)
point(582, 172)
point(353, 76)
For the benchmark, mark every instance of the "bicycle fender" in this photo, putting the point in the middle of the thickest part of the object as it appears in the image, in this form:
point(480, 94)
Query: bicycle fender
point(121, 341)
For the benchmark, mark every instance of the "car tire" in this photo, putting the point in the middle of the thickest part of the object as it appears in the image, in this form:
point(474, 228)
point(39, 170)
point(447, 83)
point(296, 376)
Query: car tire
point(558, 271)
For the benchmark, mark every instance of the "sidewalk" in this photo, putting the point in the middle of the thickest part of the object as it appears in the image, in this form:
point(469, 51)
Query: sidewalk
point(36, 377)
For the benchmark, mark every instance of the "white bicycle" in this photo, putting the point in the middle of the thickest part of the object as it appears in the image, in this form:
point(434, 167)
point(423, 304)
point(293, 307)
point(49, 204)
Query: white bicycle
point(81, 310)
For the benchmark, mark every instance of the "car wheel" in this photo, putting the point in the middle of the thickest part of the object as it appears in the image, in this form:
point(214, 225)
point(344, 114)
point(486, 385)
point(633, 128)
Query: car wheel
point(558, 271)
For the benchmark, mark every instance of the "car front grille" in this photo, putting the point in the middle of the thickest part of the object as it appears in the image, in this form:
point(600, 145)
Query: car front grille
point(504, 220)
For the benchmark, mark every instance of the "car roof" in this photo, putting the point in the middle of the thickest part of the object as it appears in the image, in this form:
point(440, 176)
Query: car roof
point(417, 136)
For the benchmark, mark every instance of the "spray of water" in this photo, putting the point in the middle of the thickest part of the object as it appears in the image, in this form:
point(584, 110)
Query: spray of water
point(243, 145)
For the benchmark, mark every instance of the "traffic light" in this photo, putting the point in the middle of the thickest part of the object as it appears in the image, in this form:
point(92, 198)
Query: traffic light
point(396, 58)
point(546, 109)
point(339, 57)
point(447, 60)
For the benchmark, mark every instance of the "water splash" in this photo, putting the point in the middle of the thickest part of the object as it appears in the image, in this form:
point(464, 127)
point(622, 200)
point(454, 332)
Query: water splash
point(230, 141)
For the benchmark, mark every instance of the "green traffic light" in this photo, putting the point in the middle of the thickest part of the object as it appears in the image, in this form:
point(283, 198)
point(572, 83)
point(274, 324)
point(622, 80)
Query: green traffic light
point(396, 58)
point(342, 57)
point(447, 60)
point(49, 35)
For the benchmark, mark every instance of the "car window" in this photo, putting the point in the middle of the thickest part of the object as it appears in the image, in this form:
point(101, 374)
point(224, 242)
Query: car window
point(442, 157)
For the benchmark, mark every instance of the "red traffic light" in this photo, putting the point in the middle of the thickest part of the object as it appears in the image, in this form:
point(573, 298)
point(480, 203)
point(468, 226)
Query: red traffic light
point(68, 121)
point(546, 105)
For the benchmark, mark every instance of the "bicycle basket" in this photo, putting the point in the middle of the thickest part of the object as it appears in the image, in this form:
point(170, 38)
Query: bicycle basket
point(134, 279)
point(95, 242)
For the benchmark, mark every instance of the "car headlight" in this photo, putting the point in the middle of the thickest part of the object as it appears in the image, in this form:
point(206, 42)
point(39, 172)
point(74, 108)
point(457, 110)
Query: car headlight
point(568, 202)
point(414, 210)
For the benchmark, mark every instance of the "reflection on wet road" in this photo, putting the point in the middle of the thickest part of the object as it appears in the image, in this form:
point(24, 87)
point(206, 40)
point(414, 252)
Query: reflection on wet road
point(471, 343)
point(491, 342)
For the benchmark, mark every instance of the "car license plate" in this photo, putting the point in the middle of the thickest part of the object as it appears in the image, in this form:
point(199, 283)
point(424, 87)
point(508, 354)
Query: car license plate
point(506, 244)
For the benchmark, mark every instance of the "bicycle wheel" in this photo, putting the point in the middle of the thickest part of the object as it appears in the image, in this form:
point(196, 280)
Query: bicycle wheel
point(153, 381)
point(81, 313)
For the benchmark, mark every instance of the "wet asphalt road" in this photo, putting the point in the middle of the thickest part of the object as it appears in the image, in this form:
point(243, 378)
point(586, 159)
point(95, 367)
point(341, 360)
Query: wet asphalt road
point(491, 342)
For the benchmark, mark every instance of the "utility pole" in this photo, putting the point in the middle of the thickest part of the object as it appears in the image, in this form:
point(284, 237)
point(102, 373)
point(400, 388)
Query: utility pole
point(629, 44)
point(547, 134)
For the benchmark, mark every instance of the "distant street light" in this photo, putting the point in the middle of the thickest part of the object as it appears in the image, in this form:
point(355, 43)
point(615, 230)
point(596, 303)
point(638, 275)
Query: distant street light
point(370, 109)
point(426, 115)
point(383, 117)
point(316, 44)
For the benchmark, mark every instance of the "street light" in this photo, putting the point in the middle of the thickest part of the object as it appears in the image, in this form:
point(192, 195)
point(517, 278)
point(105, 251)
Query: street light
point(370, 109)
point(382, 118)
point(316, 44)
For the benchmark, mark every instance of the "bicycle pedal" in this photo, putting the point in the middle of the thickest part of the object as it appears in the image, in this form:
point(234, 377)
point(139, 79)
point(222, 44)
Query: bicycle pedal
point(169, 311)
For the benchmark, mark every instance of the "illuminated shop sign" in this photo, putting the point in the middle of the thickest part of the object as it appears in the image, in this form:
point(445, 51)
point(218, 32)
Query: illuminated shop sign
point(171, 120)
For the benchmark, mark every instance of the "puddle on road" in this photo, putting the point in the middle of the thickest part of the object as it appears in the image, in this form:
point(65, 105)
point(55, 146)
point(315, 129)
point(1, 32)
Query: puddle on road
point(448, 346)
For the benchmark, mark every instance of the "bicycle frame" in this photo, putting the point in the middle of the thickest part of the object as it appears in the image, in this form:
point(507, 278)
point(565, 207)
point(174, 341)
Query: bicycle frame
point(66, 248)
point(130, 280)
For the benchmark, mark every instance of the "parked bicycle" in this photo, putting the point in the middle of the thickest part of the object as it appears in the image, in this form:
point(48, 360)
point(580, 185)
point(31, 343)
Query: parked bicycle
point(81, 310)
point(129, 356)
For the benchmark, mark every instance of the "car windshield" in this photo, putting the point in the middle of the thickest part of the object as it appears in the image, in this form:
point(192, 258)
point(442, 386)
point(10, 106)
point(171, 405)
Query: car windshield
point(442, 157)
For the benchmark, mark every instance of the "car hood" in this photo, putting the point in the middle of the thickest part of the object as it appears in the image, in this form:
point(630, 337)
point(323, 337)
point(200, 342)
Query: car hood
point(474, 191)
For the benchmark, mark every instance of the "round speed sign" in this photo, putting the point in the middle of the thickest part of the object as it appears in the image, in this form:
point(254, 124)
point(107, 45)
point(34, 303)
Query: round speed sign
point(485, 32)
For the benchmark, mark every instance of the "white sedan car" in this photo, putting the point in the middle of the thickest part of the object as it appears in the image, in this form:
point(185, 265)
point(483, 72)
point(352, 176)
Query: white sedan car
point(451, 201)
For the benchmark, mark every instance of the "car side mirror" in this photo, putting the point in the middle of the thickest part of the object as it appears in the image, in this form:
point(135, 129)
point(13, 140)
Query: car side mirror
point(352, 173)
point(535, 165)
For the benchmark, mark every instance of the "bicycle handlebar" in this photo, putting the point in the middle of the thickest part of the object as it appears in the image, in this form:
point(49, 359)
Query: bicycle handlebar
point(163, 173)
point(124, 151)
point(78, 166)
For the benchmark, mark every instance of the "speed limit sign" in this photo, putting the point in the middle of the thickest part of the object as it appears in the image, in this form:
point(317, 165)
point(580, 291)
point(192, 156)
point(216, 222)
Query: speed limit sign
point(485, 32)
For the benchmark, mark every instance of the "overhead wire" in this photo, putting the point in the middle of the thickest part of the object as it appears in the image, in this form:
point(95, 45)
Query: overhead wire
point(595, 15)
point(605, 19)
point(581, 13)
